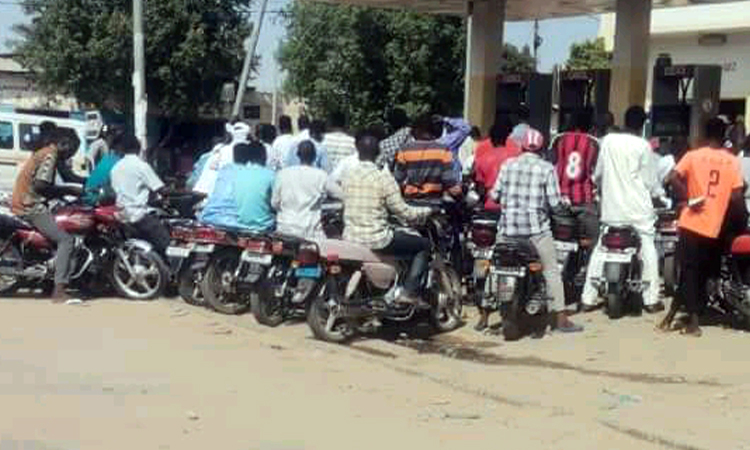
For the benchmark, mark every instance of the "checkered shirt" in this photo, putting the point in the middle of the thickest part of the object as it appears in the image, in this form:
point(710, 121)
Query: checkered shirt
point(391, 145)
point(370, 195)
point(527, 190)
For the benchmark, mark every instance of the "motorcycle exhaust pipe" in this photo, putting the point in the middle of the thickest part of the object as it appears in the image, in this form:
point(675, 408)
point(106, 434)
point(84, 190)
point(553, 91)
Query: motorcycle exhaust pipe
point(353, 284)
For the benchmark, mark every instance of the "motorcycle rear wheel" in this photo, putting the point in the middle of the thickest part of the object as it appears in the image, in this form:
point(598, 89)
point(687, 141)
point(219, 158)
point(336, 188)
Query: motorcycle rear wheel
point(321, 324)
point(189, 288)
point(615, 305)
point(9, 284)
point(511, 315)
point(216, 284)
point(268, 308)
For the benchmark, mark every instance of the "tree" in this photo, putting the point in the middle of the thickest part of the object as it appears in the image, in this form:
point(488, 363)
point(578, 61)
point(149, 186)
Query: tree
point(365, 62)
point(84, 48)
point(517, 61)
point(589, 55)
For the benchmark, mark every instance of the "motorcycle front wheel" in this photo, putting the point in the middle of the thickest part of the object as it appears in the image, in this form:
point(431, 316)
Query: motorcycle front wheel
point(446, 314)
point(138, 274)
point(218, 284)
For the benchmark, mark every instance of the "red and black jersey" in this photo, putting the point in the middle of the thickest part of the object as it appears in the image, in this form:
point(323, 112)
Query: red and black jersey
point(575, 155)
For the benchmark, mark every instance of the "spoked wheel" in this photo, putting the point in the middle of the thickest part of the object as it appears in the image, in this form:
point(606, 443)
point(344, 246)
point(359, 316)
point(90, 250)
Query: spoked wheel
point(446, 315)
point(10, 258)
point(268, 308)
point(219, 281)
point(139, 274)
point(189, 287)
point(325, 321)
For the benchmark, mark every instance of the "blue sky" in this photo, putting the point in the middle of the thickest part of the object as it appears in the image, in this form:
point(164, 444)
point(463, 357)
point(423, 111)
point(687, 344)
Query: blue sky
point(558, 35)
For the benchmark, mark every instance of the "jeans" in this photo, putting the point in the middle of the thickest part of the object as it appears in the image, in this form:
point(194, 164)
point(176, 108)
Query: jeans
point(650, 274)
point(154, 232)
point(45, 223)
point(545, 247)
point(699, 259)
point(409, 246)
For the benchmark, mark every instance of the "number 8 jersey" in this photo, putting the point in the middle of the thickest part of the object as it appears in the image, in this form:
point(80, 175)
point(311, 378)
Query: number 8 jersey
point(575, 154)
point(711, 174)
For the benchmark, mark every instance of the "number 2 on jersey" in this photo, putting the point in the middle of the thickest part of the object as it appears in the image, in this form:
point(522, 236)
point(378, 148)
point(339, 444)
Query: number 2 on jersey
point(713, 181)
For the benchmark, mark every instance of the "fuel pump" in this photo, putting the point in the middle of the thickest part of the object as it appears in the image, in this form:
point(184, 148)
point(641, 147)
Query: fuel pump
point(583, 91)
point(528, 94)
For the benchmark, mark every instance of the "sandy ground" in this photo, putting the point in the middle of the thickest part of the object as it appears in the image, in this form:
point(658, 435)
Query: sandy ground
point(164, 375)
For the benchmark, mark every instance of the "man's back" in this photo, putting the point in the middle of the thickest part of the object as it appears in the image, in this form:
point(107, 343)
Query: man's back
point(424, 169)
point(627, 181)
point(711, 174)
point(339, 145)
point(487, 166)
point(297, 196)
point(221, 207)
point(253, 189)
point(25, 198)
point(576, 154)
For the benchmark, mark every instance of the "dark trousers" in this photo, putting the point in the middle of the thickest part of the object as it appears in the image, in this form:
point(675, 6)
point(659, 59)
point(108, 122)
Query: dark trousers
point(46, 225)
point(154, 232)
point(587, 218)
point(408, 246)
point(700, 259)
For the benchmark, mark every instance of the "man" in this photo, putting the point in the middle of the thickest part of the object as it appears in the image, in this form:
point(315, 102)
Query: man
point(466, 154)
point(491, 155)
point(370, 196)
point(575, 153)
point(221, 207)
point(628, 183)
point(254, 185)
point(314, 135)
point(298, 194)
point(425, 168)
point(267, 135)
point(527, 190)
point(710, 179)
point(133, 181)
point(399, 124)
point(521, 124)
point(98, 186)
point(453, 133)
point(220, 157)
point(281, 144)
point(336, 141)
point(35, 184)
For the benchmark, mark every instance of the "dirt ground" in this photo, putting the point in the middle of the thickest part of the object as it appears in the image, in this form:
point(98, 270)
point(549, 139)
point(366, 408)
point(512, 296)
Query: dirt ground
point(120, 375)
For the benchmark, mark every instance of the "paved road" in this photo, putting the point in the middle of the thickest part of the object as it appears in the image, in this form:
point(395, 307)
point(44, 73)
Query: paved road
point(164, 375)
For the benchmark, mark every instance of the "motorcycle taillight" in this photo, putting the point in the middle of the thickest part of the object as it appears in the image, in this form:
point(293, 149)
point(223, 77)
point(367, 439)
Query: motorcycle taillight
point(619, 241)
point(564, 233)
point(483, 237)
point(308, 254)
point(209, 235)
point(254, 245)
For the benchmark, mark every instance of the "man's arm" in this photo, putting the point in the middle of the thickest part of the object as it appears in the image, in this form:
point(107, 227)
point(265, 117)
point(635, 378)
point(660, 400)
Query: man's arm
point(325, 163)
point(67, 174)
point(552, 193)
point(451, 178)
point(333, 189)
point(396, 204)
point(399, 169)
point(458, 131)
point(276, 195)
point(497, 187)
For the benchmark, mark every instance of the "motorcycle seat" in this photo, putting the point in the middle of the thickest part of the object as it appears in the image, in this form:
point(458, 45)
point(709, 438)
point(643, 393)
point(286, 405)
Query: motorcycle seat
point(349, 251)
point(8, 221)
point(516, 249)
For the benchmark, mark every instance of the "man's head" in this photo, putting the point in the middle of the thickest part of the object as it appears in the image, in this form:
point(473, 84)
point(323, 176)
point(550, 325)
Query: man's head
point(242, 153)
point(257, 153)
point(582, 121)
point(306, 153)
point(240, 132)
point(303, 123)
point(285, 125)
point(635, 117)
point(398, 119)
point(427, 128)
point(266, 133)
point(533, 141)
point(475, 133)
point(500, 131)
point(367, 146)
point(715, 130)
point(67, 142)
point(317, 130)
point(126, 144)
point(522, 115)
point(337, 120)
point(47, 135)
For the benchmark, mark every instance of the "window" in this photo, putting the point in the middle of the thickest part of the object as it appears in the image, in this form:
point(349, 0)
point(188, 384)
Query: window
point(251, 112)
point(30, 135)
point(6, 136)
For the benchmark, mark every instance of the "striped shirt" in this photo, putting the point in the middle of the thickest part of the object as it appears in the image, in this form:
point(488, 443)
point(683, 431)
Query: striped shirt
point(424, 169)
point(576, 155)
point(339, 145)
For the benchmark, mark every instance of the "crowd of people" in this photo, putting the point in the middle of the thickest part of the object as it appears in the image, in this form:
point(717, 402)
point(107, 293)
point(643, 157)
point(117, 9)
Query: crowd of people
point(273, 179)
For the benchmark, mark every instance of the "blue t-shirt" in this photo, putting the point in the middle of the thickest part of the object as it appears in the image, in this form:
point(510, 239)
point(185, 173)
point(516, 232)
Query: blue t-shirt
point(254, 185)
point(221, 207)
point(99, 179)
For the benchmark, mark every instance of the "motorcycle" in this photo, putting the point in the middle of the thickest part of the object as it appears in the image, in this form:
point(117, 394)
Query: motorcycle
point(361, 288)
point(190, 248)
point(480, 245)
point(621, 285)
point(332, 218)
point(731, 292)
point(666, 245)
point(104, 250)
point(573, 250)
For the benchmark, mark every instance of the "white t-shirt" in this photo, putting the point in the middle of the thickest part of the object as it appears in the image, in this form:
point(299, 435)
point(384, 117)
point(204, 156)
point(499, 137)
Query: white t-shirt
point(280, 147)
point(627, 179)
point(344, 167)
point(133, 180)
point(298, 194)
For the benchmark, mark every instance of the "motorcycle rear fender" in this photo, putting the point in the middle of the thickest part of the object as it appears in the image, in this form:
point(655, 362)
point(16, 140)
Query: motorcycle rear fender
point(140, 244)
point(613, 272)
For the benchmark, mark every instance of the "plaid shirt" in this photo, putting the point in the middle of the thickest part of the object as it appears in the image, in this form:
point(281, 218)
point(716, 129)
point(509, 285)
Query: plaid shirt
point(369, 195)
point(391, 145)
point(527, 190)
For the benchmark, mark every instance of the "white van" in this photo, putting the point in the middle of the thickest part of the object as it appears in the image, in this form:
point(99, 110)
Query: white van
point(19, 129)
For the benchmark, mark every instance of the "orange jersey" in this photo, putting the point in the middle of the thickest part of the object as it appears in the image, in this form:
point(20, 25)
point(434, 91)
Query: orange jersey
point(713, 175)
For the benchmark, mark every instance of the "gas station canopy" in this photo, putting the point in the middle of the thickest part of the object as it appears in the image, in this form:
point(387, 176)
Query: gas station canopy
point(518, 9)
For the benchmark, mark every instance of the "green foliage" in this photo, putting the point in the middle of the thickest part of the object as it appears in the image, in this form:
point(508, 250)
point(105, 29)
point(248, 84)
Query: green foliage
point(365, 62)
point(517, 61)
point(589, 55)
point(84, 48)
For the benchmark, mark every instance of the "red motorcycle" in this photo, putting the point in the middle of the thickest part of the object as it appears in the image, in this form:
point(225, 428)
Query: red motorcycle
point(104, 255)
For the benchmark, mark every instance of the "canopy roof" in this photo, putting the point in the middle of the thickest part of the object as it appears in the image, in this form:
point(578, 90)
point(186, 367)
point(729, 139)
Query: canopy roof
point(518, 9)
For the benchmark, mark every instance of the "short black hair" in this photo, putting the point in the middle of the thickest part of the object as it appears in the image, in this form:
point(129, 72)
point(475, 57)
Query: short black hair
point(368, 145)
point(306, 152)
point(126, 144)
point(285, 124)
point(242, 153)
point(475, 133)
point(635, 117)
point(500, 131)
point(67, 142)
point(303, 122)
point(257, 153)
point(47, 134)
point(337, 119)
point(428, 124)
point(317, 129)
point(266, 133)
point(715, 130)
point(582, 121)
point(398, 119)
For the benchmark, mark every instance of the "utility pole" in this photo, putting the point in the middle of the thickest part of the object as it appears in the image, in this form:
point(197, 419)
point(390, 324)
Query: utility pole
point(537, 43)
point(250, 45)
point(140, 104)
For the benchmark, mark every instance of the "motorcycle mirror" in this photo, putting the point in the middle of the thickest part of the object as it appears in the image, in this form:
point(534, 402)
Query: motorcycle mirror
point(472, 199)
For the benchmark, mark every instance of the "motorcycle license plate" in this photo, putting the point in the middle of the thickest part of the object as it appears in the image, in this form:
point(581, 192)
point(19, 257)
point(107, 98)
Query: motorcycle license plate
point(484, 254)
point(256, 258)
point(308, 272)
point(510, 271)
point(180, 251)
point(566, 246)
point(618, 257)
point(205, 248)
